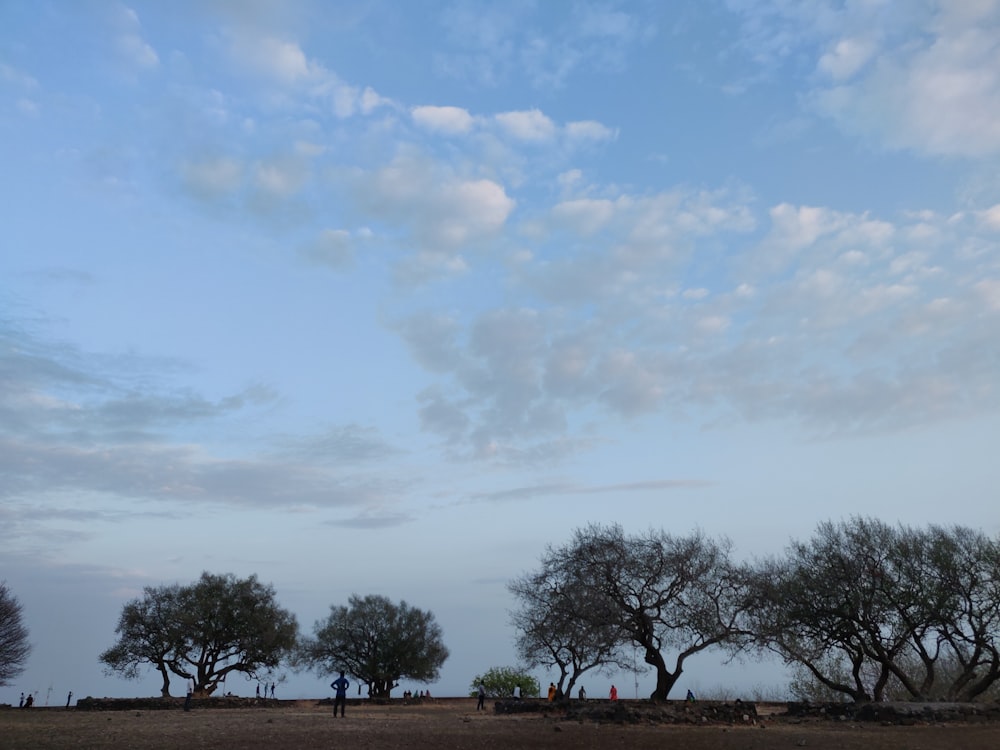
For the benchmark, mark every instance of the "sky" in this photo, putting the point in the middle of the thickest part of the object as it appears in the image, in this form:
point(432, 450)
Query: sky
point(383, 298)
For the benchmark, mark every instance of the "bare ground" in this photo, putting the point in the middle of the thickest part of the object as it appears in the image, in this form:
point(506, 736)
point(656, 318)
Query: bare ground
point(448, 724)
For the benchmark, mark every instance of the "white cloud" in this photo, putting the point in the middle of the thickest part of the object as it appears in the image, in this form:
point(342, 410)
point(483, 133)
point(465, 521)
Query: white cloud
point(989, 290)
point(283, 63)
point(130, 42)
point(584, 215)
point(906, 76)
point(847, 57)
point(527, 125)
point(450, 120)
point(281, 178)
point(138, 51)
point(277, 59)
point(991, 217)
point(940, 95)
point(10, 74)
point(590, 130)
point(444, 211)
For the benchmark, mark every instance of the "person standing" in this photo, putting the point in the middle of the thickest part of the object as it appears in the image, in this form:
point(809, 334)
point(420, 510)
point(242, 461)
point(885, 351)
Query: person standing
point(21, 704)
point(481, 692)
point(552, 691)
point(613, 695)
point(69, 698)
point(190, 693)
point(340, 699)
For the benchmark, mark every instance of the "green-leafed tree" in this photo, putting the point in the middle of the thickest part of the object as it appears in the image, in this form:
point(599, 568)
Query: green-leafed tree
point(501, 681)
point(205, 631)
point(377, 642)
point(14, 646)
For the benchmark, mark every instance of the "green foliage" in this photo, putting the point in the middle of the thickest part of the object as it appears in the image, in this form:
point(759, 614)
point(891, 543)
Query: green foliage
point(14, 646)
point(204, 631)
point(377, 642)
point(501, 681)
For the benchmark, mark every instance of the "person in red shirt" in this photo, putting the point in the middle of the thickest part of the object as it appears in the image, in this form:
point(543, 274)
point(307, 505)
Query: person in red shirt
point(614, 693)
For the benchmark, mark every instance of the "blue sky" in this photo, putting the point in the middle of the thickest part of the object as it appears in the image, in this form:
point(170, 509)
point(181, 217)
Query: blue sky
point(381, 297)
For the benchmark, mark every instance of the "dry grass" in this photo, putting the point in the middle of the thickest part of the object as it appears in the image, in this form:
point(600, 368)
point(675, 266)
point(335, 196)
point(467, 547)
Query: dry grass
point(450, 723)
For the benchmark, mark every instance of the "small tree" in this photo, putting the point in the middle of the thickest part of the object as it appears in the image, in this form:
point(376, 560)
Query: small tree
point(14, 646)
point(378, 642)
point(501, 681)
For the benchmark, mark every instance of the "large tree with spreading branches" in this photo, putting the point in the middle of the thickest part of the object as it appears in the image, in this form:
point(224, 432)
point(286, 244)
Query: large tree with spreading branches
point(204, 632)
point(378, 642)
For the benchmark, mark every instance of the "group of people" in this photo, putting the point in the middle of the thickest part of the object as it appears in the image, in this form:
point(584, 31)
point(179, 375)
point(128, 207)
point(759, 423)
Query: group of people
point(266, 686)
point(27, 702)
point(341, 684)
point(408, 694)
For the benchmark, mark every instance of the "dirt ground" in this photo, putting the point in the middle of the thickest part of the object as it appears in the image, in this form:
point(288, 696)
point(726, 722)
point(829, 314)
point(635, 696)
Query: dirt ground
point(449, 725)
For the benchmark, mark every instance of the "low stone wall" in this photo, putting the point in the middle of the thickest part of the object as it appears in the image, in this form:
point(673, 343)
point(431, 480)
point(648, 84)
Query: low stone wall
point(171, 704)
point(896, 712)
point(636, 712)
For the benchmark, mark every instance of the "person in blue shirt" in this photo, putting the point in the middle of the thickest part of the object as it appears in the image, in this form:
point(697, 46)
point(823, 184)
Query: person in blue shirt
point(340, 699)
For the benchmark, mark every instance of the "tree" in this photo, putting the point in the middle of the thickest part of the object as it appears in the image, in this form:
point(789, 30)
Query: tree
point(501, 681)
point(14, 646)
point(659, 591)
point(868, 610)
point(554, 626)
point(203, 632)
point(150, 632)
point(378, 642)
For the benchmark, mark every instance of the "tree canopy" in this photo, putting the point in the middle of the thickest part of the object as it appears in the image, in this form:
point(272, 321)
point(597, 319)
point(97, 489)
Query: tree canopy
point(377, 642)
point(653, 590)
point(553, 623)
point(14, 646)
point(501, 681)
point(204, 631)
point(869, 610)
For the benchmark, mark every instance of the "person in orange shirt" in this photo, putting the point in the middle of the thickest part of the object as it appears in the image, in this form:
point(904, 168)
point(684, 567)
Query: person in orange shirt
point(552, 691)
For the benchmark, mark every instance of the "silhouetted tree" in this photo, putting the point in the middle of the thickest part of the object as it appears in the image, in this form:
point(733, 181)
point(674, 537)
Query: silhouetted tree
point(868, 610)
point(658, 591)
point(555, 626)
point(204, 631)
point(150, 632)
point(14, 646)
point(377, 642)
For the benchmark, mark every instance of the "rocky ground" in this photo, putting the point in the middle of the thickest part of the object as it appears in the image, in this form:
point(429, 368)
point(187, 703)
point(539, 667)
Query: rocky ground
point(454, 723)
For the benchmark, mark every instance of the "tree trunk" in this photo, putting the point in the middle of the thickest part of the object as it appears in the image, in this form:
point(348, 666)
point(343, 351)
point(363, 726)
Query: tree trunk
point(665, 679)
point(165, 690)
